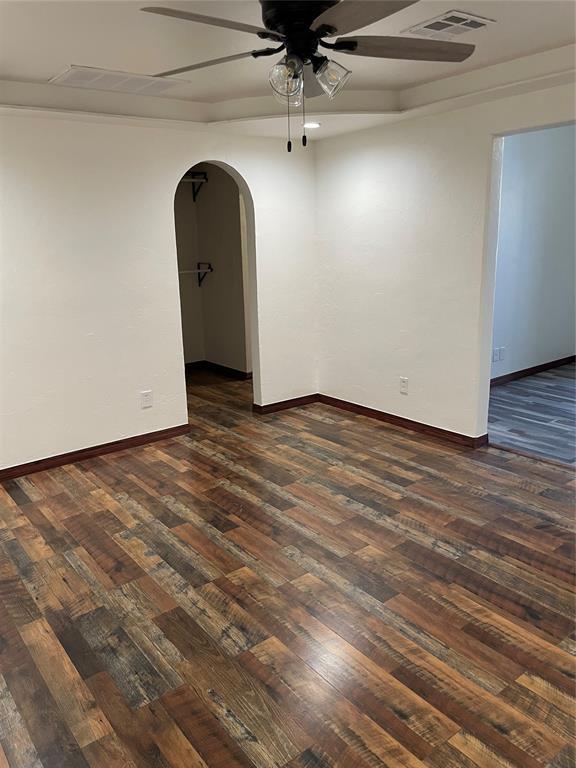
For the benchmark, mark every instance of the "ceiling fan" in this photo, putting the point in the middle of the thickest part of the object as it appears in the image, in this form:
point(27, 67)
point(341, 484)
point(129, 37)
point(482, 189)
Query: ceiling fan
point(300, 27)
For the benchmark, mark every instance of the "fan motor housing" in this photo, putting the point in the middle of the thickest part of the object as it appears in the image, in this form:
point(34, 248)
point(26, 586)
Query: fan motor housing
point(293, 18)
point(284, 15)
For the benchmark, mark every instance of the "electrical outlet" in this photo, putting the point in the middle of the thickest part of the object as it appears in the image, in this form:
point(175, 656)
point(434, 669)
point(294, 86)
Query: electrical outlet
point(403, 385)
point(495, 355)
point(501, 353)
point(146, 399)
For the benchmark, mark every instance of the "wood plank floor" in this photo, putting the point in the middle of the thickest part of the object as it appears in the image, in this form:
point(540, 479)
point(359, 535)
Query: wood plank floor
point(537, 414)
point(309, 589)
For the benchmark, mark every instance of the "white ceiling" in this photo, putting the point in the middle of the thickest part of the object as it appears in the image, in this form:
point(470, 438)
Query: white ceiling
point(40, 38)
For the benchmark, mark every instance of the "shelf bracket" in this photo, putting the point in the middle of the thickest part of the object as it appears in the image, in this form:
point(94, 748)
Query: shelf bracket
point(204, 268)
point(197, 179)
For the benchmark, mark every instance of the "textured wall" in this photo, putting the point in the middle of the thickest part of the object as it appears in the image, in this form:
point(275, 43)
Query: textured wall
point(382, 268)
point(89, 303)
point(408, 260)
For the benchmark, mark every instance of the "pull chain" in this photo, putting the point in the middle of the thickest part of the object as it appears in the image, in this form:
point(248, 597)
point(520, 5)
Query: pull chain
point(304, 139)
point(289, 144)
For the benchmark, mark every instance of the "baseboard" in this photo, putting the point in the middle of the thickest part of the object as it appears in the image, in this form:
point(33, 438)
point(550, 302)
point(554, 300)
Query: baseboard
point(88, 453)
point(206, 365)
point(131, 442)
point(372, 413)
point(496, 381)
point(284, 404)
point(400, 421)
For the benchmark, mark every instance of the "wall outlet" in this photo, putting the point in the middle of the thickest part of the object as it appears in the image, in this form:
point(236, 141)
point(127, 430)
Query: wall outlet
point(498, 354)
point(146, 399)
point(403, 385)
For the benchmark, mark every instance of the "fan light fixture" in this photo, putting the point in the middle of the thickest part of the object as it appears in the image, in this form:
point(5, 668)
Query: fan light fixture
point(286, 77)
point(290, 87)
point(300, 28)
point(332, 77)
point(287, 81)
point(292, 101)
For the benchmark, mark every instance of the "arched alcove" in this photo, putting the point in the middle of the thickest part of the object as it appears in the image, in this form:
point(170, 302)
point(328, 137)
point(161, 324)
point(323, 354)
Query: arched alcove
point(217, 216)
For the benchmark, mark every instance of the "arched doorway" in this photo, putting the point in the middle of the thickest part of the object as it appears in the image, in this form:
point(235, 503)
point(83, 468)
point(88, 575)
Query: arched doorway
point(214, 222)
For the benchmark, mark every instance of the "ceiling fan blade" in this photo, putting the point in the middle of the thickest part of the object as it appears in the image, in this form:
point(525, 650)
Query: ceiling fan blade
point(411, 48)
point(203, 64)
point(349, 15)
point(312, 87)
point(213, 21)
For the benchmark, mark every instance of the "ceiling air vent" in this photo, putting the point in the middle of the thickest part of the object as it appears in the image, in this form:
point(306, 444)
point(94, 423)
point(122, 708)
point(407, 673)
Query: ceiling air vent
point(107, 80)
point(449, 25)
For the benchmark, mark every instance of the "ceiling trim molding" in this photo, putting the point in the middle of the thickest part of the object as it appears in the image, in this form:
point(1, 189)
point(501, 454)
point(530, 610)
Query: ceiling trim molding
point(495, 92)
point(65, 98)
point(531, 68)
point(543, 71)
point(348, 102)
point(79, 115)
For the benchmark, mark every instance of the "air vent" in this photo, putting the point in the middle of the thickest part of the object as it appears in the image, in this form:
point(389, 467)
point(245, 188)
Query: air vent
point(449, 25)
point(107, 80)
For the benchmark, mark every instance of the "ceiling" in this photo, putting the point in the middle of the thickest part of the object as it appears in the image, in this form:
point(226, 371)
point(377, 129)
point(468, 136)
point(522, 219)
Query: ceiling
point(40, 38)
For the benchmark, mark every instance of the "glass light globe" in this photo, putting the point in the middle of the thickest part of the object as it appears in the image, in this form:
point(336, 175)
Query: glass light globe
point(286, 77)
point(295, 99)
point(332, 77)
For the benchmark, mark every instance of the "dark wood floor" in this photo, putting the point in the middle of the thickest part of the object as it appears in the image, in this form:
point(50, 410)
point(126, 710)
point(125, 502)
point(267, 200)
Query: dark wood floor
point(309, 589)
point(537, 414)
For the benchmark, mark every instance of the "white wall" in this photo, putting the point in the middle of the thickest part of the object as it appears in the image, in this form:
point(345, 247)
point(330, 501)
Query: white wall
point(244, 245)
point(407, 272)
point(534, 301)
point(89, 291)
point(398, 281)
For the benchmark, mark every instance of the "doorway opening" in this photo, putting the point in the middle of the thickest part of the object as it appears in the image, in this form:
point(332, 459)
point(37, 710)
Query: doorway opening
point(215, 242)
point(532, 403)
